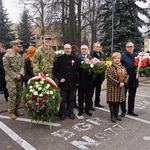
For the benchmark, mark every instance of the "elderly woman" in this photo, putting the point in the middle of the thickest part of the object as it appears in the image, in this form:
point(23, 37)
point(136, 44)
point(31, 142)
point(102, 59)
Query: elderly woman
point(115, 91)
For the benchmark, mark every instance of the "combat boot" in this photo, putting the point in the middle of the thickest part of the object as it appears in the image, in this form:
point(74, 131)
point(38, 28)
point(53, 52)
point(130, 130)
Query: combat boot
point(19, 113)
point(12, 115)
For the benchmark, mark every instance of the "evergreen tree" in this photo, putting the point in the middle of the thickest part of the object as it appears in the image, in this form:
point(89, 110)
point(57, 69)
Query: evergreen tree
point(24, 29)
point(126, 24)
point(6, 35)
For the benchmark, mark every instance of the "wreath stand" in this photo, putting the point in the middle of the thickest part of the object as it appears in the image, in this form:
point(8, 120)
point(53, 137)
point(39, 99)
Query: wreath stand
point(45, 123)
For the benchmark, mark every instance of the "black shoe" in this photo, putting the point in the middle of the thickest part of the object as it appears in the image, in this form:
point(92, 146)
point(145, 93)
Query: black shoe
point(92, 108)
point(80, 113)
point(123, 114)
point(72, 116)
point(75, 106)
point(6, 99)
point(113, 119)
point(132, 113)
point(99, 105)
point(62, 117)
point(88, 113)
point(118, 118)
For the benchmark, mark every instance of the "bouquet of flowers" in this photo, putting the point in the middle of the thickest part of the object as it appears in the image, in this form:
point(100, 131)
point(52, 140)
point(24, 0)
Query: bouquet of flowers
point(142, 64)
point(59, 53)
point(93, 66)
point(41, 98)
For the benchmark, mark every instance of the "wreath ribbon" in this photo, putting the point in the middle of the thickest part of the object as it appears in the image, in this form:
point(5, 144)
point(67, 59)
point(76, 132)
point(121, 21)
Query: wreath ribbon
point(140, 56)
point(42, 76)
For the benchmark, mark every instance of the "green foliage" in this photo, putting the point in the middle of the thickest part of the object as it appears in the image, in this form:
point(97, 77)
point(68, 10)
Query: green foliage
point(6, 35)
point(145, 71)
point(24, 30)
point(126, 24)
point(40, 99)
point(93, 67)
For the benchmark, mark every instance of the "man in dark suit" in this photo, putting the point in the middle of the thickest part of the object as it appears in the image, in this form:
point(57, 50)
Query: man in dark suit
point(66, 70)
point(97, 82)
point(127, 60)
point(85, 83)
point(2, 73)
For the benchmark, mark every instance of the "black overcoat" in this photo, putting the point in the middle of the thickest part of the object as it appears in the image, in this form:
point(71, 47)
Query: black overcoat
point(127, 61)
point(67, 67)
point(85, 81)
point(2, 71)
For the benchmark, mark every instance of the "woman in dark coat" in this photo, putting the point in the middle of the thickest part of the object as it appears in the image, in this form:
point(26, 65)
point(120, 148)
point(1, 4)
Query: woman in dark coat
point(28, 65)
point(115, 91)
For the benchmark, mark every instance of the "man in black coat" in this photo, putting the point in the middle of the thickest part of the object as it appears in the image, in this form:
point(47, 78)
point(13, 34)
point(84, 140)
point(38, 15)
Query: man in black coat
point(66, 70)
point(2, 73)
point(127, 60)
point(97, 82)
point(85, 83)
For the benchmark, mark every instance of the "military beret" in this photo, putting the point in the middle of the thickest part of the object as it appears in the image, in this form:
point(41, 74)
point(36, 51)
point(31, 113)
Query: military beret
point(15, 43)
point(46, 37)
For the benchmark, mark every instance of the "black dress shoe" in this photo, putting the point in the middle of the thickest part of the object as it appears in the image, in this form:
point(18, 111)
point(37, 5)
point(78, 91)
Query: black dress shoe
point(123, 114)
point(75, 106)
point(99, 105)
point(88, 113)
point(80, 113)
point(92, 108)
point(72, 116)
point(132, 113)
point(62, 117)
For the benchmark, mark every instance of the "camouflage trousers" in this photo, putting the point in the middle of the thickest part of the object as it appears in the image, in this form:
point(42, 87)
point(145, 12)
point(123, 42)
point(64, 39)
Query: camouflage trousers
point(15, 91)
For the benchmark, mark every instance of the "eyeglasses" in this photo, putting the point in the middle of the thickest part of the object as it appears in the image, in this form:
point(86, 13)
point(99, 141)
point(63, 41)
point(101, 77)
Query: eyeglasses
point(67, 48)
point(129, 46)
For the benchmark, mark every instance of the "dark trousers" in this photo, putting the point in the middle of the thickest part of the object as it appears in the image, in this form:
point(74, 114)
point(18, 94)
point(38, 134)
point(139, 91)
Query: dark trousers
point(67, 99)
point(97, 86)
point(3, 86)
point(84, 94)
point(131, 100)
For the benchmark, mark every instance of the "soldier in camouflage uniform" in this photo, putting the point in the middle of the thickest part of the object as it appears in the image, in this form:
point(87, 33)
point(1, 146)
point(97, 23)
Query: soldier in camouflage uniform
point(13, 65)
point(44, 58)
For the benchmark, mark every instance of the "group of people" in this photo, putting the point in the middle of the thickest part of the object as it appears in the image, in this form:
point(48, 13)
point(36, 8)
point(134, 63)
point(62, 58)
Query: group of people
point(70, 76)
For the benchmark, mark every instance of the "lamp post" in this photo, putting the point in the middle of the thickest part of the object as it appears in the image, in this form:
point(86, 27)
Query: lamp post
point(112, 30)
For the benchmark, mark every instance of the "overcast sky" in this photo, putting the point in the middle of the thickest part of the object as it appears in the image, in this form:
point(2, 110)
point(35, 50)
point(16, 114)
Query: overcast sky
point(14, 10)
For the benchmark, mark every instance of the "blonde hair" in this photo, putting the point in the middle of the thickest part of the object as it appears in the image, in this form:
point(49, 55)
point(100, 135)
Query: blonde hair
point(115, 55)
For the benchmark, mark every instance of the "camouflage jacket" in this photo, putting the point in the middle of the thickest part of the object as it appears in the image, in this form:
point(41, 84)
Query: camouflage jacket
point(13, 65)
point(43, 61)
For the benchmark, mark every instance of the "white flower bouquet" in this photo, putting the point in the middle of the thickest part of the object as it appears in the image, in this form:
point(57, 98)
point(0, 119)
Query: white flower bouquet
point(93, 66)
point(59, 52)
